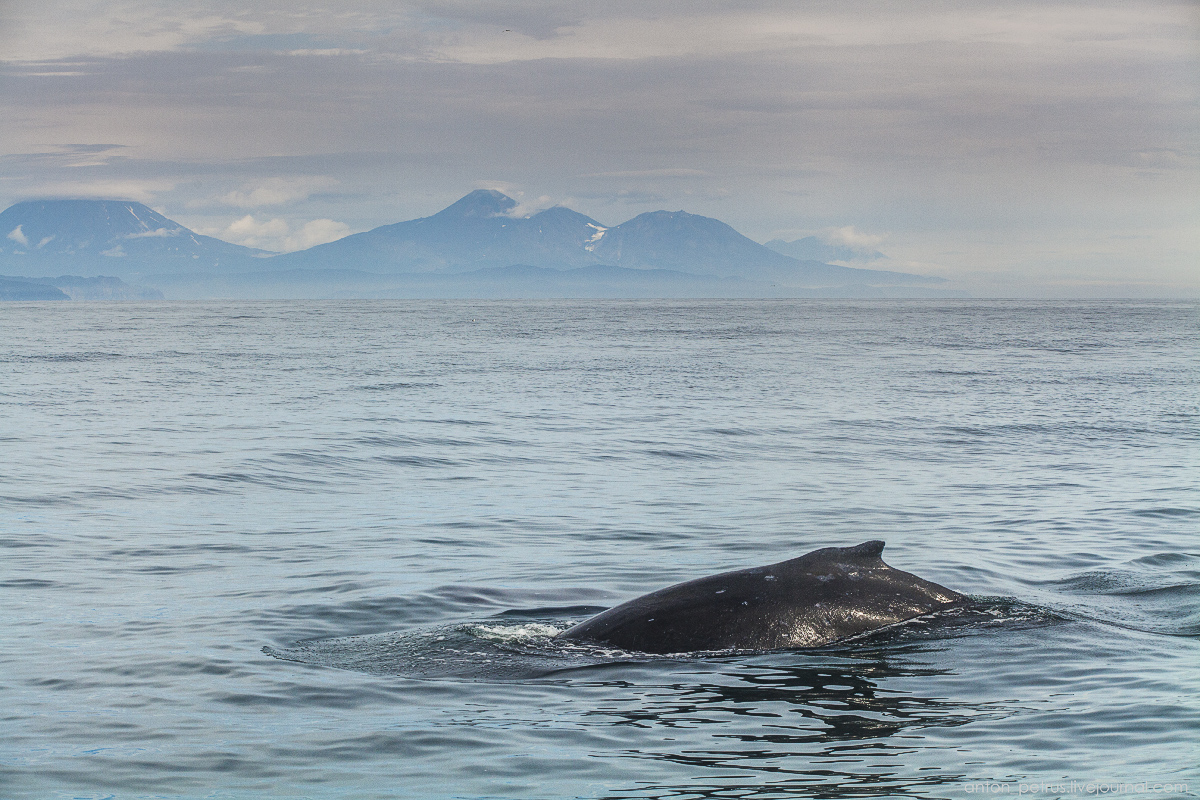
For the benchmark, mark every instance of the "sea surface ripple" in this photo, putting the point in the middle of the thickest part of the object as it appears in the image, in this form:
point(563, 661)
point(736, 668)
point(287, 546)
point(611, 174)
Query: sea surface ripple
point(320, 549)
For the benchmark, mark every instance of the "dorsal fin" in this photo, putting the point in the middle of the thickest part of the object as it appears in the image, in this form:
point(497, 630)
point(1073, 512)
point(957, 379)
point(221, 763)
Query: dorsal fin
point(871, 549)
point(867, 554)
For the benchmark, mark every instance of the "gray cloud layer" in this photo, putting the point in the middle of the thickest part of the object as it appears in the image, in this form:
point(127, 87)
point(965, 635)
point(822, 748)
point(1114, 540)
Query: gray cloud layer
point(1006, 144)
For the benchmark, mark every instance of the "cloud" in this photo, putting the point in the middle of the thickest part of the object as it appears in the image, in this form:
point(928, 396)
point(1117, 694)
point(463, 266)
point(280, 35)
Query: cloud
point(849, 237)
point(651, 173)
point(18, 236)
point(66, 155)
point(327, 52)
point(527, 207)
point(54, 29)
point(250, 232)
point(277, 235)
point(504, 187)
point(539, 21)
point(142, 191)
point(315, 232)
point(943, 123)
point(277, 191)
point(500, 31)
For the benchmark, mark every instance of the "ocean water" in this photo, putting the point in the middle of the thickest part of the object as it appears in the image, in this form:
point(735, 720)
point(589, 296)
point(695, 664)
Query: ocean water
point(318, 550)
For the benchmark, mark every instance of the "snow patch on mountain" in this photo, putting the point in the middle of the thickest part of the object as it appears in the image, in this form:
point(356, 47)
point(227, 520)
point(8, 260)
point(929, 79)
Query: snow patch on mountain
point(591, 243)
point(154, 234)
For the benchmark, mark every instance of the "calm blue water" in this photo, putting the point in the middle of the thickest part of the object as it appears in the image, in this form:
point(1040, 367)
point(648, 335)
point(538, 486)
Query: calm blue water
point(316, 550)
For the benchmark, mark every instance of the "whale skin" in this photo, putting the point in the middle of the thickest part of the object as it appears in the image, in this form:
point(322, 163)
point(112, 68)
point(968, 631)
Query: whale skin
point(817, 599)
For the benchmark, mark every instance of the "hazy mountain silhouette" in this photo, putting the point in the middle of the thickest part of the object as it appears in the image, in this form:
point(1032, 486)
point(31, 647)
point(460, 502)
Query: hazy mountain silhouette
point(810, 247)
point(472, 233)
point(478, 231)
point(73, 287)
point(27, 289)
point(477, 246)
point(110, 237)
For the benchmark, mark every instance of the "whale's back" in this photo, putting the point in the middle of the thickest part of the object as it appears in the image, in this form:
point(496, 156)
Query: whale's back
point(816, 599)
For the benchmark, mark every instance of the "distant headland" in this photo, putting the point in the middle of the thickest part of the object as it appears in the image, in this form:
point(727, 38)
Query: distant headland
point(476, 247)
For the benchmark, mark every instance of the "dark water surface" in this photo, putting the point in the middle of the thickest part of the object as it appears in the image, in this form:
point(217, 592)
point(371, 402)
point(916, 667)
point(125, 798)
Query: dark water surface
point(318, 550)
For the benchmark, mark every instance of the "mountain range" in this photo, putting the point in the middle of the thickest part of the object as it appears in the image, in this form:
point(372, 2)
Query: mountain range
point(109, 237)
point(466, 249)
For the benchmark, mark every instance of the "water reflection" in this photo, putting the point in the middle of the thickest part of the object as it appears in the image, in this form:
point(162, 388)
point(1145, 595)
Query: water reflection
point(809, 726)
point(870, 718)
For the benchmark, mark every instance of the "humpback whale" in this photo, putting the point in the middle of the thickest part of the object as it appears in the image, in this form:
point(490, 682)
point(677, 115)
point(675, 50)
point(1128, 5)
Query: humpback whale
point(817, 599)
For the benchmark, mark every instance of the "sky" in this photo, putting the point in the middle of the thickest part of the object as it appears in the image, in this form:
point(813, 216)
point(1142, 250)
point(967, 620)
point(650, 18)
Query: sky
point(1020, 149)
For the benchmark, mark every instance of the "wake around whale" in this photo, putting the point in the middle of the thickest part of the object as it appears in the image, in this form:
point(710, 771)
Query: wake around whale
point(817, 599)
